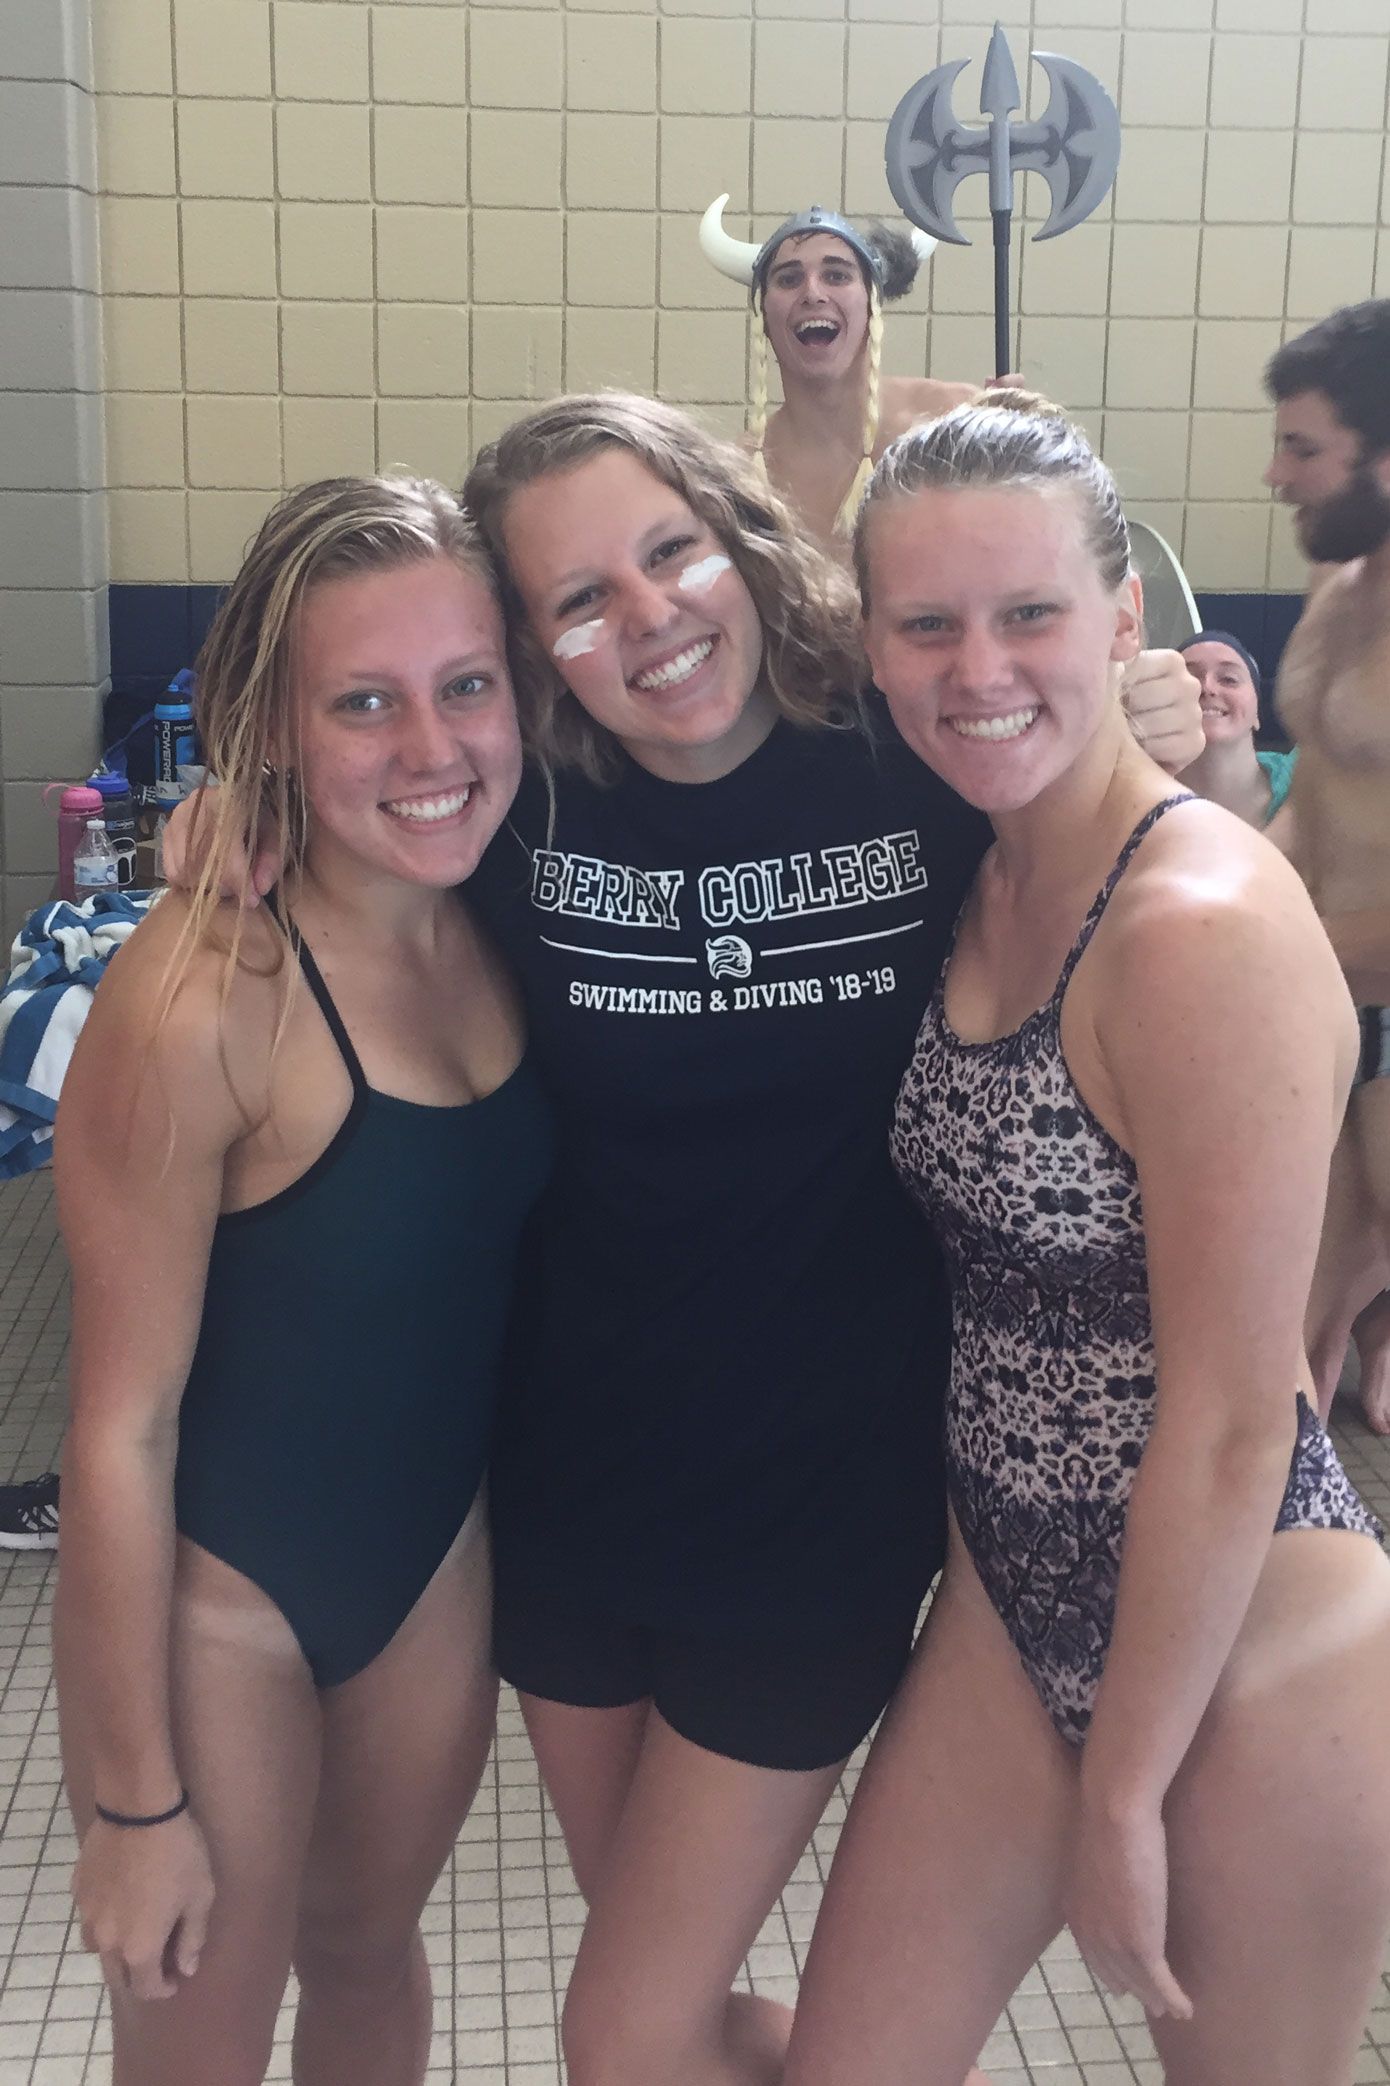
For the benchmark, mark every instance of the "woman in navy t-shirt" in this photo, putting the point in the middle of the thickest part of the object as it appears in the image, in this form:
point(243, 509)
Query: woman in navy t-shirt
point(717, 1488)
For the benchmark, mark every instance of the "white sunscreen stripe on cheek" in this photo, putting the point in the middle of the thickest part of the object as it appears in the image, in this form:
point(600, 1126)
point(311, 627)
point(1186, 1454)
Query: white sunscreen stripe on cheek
point(698, 579)
point(571, 643)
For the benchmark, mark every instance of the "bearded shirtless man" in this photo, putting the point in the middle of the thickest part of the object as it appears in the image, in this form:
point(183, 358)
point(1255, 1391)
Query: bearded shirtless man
point(1331, 388)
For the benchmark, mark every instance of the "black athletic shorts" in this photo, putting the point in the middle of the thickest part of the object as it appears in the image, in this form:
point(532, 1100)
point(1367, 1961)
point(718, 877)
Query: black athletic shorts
point(796, 1704)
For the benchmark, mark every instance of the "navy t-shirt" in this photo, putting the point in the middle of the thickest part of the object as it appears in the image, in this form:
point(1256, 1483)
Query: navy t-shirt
point(733, 1332)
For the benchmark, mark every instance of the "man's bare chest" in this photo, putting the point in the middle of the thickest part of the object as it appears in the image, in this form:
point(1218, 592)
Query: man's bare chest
point(1334, 687)
point(813, 482)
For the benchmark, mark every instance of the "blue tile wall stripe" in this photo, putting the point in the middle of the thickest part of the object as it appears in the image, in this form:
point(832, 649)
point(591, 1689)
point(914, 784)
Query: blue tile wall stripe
point(156, 630)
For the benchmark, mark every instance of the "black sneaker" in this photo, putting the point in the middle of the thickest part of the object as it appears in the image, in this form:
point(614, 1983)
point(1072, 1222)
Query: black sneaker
point(29, 1514)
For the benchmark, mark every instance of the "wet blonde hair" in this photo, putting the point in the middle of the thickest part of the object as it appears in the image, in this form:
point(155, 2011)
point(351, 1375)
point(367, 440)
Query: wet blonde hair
point(1007, 439)
point(246, 709)
point(811, 657)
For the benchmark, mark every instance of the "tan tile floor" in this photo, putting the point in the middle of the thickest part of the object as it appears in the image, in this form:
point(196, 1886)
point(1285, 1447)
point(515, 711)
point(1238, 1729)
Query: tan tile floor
point(504, 1922)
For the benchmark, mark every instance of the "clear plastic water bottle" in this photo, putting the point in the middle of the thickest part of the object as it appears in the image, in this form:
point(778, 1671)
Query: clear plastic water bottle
point(96, 865)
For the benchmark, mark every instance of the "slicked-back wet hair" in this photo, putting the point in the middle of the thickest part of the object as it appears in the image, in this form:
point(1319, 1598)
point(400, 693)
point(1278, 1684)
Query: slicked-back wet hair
point(1008, 440)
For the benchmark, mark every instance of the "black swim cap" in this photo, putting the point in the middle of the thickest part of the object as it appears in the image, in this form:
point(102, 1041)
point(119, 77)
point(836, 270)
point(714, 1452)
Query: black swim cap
point(1224, 637)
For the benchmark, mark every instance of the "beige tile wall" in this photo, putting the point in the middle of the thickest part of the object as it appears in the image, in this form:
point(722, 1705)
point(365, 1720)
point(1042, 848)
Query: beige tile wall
point(337, 233)
point(53, 646)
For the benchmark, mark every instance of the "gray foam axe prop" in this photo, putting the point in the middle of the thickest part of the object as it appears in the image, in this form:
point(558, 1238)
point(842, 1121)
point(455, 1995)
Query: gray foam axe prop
point(1075, 145)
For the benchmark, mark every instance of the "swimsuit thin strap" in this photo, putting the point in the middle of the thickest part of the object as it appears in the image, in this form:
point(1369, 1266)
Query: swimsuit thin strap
point(1107, 889)
point(314, 979)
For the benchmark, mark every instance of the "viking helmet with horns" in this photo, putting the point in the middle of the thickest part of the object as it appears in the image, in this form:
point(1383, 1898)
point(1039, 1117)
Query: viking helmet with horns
point(744, 262)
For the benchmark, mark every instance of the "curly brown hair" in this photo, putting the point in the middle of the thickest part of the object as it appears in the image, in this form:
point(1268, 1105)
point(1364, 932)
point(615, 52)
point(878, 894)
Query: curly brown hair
point(812, 662)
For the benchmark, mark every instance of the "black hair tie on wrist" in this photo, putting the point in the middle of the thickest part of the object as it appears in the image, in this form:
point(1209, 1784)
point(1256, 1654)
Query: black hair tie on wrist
point(154, 1818)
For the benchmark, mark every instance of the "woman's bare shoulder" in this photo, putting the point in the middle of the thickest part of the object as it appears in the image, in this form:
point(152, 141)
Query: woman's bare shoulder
point(1200, 853)
point(172, 993)
point(1210, 906)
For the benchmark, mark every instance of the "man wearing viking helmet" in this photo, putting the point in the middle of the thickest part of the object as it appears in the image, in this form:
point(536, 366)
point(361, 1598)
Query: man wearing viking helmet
point(819, 287)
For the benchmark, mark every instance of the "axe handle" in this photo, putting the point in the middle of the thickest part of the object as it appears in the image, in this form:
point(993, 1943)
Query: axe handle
point(1003, 226)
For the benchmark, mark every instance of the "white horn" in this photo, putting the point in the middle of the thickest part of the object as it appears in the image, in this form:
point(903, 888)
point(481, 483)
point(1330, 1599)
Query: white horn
point(732, 257)
point(923, 245)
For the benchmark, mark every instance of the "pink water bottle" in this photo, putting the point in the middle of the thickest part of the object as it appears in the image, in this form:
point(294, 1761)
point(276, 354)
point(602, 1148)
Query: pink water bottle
point(77, 804)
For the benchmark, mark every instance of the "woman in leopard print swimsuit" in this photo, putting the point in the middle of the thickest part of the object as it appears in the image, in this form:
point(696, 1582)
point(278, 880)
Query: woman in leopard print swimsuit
point(1160, 1619)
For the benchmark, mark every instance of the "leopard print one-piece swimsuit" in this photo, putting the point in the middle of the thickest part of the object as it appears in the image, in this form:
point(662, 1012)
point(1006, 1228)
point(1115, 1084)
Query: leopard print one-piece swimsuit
point(1052, 1383)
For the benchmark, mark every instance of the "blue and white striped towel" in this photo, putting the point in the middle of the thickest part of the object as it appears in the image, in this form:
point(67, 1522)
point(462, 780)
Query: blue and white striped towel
point(56, 964)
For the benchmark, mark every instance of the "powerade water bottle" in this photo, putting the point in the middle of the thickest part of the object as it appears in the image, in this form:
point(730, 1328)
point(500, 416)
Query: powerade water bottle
point(175, 743)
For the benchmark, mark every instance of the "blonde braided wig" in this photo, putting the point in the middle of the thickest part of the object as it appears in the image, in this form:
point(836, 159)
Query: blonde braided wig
point(859, 484)
point(757, 403)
